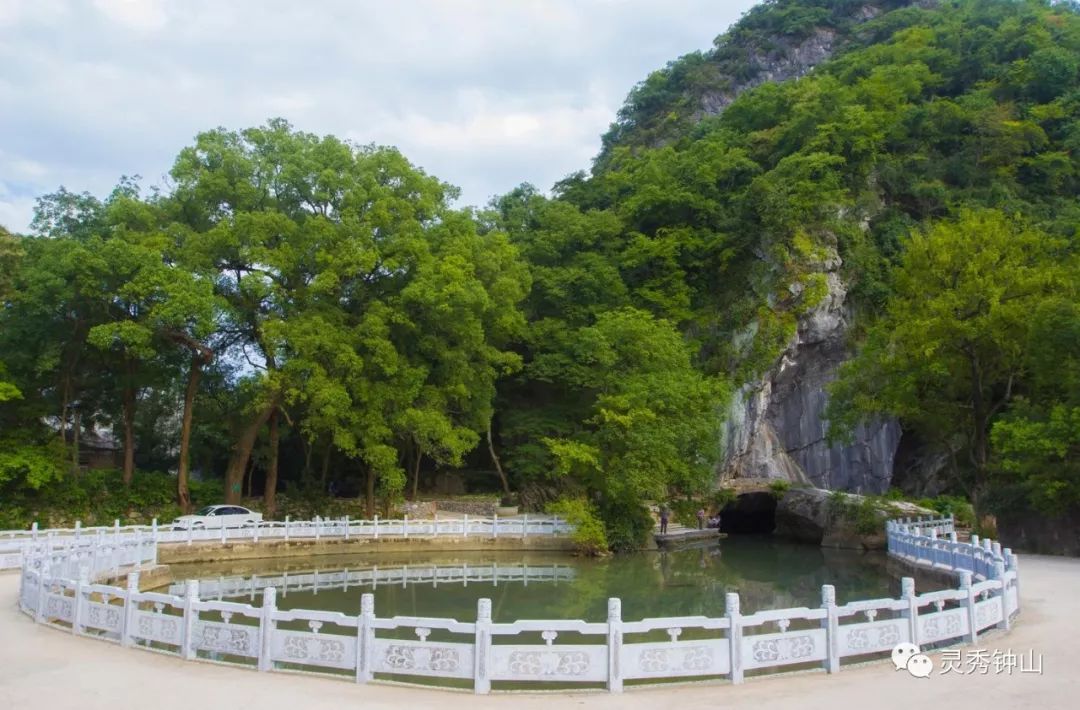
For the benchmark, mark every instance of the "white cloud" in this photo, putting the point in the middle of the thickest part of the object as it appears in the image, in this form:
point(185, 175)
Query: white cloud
point(484, 95)
point(141, 15)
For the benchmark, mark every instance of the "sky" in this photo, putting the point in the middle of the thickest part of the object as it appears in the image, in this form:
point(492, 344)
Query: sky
point(484, 94)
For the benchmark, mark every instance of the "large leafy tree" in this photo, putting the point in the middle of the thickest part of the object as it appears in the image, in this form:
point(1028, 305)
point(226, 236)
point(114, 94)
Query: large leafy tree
point(951, 351)
point(355, 295)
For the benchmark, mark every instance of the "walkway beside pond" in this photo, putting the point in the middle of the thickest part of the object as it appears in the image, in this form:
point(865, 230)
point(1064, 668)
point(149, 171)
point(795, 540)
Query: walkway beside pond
point(46, 669)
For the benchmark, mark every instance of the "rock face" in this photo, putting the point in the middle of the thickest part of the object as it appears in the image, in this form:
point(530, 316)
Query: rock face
point(808, 515)
point(776, 427)
point(783, 61)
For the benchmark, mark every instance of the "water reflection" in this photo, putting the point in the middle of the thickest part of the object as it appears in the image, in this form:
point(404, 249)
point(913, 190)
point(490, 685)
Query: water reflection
point(765, 572)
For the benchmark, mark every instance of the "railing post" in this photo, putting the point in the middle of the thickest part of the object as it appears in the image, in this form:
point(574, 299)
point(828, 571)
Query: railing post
point(494, 525)
point(999, 572)
point(969, 605)
point(376, 526)
point(524, 526)
point(266, 629)
point(223, 534)
point(614, 645)
point(465, 526)
point(911, 613)
point(76, 609)
point(482, 648)
point(346, 527)
point(34, 530)
point(78, 529)
point(1013, 565)
point(365, 638)
point(318, 527)
point(191, 615)
point(405, 525)
point(131, 605)
point(190, 532)
point(831, 623)
point(731, 611)
point(116, 529)
point(286, 528)
point(39, 615)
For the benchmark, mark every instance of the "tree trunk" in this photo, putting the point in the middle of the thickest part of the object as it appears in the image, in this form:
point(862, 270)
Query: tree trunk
point(129, 435)
point(416, 471)
point(370, 500)
point(249, 478)
point(75, 444)
point(326, 462)
point(64, 398)
point(495, 459)
point(309, 449)
point(238, 462)
point(183, 495)
point(270, 492)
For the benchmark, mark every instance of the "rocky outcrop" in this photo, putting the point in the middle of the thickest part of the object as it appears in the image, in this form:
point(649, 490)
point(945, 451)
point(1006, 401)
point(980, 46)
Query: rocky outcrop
point(814, 515)
point(782, 61)
point(776, 428)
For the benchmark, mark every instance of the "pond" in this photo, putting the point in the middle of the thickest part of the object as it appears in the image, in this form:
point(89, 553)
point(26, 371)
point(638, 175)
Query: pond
point(766, 572)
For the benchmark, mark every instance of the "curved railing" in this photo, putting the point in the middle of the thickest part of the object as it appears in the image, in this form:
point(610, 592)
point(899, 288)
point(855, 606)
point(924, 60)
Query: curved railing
point(13, 543)
point(403, 575)
point(59, 589)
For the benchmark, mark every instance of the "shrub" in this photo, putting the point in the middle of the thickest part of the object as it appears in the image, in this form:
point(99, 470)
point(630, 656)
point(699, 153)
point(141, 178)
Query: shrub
point(589, 537)
point(867, 516)
point(779, 487)
point(723, 497)
point(627, 524)
point(838, 504)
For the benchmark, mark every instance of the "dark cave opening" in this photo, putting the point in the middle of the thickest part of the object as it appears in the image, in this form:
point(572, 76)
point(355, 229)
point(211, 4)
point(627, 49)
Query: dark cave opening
point(749, 513)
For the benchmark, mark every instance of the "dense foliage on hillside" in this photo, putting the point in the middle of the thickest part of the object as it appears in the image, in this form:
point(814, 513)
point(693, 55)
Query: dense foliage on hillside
point(300, 310)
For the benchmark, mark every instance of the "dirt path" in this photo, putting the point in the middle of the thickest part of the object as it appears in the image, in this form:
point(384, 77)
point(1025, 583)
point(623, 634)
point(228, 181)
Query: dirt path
point(45, 669)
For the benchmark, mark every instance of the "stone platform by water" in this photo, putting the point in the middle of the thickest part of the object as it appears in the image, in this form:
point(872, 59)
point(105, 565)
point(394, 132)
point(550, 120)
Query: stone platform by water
point(677, 536)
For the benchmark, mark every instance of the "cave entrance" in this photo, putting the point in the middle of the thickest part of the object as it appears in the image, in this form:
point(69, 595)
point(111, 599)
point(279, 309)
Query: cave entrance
point(749, 513)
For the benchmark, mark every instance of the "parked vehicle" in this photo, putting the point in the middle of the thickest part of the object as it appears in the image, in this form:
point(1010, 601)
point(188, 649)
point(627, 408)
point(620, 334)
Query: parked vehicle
point(218, 516)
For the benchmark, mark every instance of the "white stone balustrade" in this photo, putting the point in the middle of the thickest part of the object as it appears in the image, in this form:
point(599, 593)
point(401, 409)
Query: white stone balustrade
point(13, 543)
point(59, 589)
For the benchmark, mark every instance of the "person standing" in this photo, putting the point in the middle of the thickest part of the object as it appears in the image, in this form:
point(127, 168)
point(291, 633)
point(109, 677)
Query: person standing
point(664, 514)
point(701, 519)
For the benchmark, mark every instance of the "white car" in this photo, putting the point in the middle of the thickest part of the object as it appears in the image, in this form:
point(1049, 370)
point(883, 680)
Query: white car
point(218, 516)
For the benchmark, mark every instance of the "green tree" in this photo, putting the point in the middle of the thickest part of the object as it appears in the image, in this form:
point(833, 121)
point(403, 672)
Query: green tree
point(950, 351)
point(653, 424)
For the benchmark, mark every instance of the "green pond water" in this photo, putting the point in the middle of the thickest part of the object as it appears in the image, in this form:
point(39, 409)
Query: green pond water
point(767, 573)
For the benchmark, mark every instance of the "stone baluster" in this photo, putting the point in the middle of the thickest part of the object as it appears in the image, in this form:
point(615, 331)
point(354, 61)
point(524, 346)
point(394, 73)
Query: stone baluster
point(365, 639)
point(482, 648)
point(190, 617)
point(831, 624)
point(968, 603)
point(614, 645)
point(999, 574)
point(131, 605)
point(731, 611)
point(911, 613)
point(76, 610)
point(267, 626)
